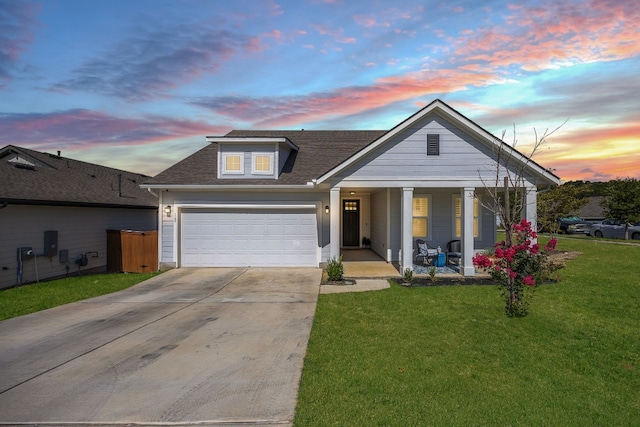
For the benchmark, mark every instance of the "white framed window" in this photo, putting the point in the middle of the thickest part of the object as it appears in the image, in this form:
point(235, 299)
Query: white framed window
point(421, 214)
point(262, 163)
point(233, 163)
point(457, 216)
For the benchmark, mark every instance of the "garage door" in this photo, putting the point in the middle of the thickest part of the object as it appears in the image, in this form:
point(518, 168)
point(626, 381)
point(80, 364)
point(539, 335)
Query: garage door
point(260, 237)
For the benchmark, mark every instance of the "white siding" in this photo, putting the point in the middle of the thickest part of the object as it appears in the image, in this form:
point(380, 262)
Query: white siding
point(405, 156)
point(80, 230)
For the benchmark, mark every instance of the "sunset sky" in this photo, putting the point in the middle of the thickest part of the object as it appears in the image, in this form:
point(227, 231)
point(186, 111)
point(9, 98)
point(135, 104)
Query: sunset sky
point(138, 84)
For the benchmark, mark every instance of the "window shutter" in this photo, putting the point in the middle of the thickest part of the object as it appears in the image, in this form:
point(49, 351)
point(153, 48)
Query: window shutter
point(433, 144)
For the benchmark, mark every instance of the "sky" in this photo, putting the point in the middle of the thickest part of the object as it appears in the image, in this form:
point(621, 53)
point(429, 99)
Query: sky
point(138, 84)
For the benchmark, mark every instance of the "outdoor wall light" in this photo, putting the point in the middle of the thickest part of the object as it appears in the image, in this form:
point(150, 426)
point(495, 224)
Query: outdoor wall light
point(326, 209)
point(352, 192)
point(167, 210)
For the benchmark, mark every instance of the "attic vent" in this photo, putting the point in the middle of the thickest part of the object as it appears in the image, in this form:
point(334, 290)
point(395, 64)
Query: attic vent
point(433, 144)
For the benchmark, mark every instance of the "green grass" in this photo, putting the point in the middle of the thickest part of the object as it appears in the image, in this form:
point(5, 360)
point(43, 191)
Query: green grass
point(40, 296)
point(449, 356)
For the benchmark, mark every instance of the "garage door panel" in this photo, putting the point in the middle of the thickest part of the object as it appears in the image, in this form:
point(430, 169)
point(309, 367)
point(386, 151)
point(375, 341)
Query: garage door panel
point(265, 237)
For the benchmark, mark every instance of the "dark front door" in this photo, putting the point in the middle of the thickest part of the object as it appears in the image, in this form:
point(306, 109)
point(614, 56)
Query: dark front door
point(351, 222)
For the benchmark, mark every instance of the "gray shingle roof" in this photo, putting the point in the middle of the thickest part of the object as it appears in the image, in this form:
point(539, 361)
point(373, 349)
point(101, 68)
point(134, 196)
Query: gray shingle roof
point(319, 152)
point(593, 208)
point(62, 181)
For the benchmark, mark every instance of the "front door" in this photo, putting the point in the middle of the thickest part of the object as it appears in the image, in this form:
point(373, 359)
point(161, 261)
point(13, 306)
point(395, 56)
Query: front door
point(351, 223)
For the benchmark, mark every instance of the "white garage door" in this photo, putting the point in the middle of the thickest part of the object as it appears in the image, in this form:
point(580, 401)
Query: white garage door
point(256, 237)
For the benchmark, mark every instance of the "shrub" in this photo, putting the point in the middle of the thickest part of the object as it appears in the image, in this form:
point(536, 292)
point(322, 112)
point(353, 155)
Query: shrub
point(432, 274)
point(518, 267)
point(335, 269)
point(408, 275)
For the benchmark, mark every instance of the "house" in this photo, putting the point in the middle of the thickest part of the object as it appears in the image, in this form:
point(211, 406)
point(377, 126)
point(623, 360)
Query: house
point(593, 211)
point(297, 198)
point(55, 213)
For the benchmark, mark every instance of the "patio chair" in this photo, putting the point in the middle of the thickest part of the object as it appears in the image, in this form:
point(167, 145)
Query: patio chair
point(423, 252)
point(454, 252)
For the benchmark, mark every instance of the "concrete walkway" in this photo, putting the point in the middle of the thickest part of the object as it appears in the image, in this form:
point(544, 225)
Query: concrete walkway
point(188, 347)
point(362, 285)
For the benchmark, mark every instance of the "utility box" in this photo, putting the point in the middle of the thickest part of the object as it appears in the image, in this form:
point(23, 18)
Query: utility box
point(50, 243)
point(132, 251)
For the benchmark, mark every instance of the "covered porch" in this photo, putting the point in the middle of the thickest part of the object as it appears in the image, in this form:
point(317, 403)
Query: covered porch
point(364, 263)
point(388, 222)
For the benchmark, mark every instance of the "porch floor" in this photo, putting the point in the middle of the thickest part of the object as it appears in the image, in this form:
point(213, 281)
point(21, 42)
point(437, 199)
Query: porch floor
point(364, 263)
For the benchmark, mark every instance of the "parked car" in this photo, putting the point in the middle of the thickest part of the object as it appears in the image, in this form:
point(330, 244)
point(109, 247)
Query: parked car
point(574, 224)
point(614, 229)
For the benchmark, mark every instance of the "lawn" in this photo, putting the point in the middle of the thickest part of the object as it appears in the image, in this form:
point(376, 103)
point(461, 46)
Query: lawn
point(40, 296)
point(449, 356)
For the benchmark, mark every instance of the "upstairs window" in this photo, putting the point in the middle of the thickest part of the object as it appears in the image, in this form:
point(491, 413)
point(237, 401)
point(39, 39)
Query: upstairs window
point(262, 164)
point(233, 163)
point(433, 144)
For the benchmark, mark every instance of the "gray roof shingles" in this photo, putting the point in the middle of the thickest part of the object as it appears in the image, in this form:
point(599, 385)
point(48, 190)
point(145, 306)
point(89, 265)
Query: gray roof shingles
point(319, 152)
point(64, 181)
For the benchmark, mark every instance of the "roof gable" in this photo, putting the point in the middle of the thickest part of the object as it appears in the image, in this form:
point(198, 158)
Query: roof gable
point(439, 108)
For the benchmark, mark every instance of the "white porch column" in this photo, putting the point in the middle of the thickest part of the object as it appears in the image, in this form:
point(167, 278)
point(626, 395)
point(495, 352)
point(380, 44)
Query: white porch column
point(531, 207)
point(334, 222)
point(467, 232)
point(407, 230)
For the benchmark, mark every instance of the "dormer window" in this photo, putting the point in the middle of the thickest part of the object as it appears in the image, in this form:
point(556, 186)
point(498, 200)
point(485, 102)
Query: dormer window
point(262, 163)
point(233, 163)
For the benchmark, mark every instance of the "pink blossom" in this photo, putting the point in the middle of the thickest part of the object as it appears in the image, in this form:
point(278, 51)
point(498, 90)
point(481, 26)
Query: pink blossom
point(529, 281)
point(512, 273)
point(551, 246)
point(482, 260)
point(535, 248)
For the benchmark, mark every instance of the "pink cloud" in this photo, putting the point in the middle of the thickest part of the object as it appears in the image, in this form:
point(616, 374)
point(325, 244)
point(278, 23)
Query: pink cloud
point(288, 111)
point(17, 22)
point(83, 129)
point(561, 33)
point(336, 34)
point(577, 154)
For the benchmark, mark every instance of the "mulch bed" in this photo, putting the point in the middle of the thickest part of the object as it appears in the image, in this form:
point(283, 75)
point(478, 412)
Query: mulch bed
point(447, 281)
point(559, 256)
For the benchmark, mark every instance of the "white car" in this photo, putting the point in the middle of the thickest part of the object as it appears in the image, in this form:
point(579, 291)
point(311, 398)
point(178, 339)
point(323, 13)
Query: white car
point(614, 229)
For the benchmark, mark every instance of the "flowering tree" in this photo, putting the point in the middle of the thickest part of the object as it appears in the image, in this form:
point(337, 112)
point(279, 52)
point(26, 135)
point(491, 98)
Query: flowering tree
point(518, 266)
point(518, 261)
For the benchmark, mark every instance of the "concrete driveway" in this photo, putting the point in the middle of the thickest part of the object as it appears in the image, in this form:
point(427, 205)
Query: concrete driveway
point(203, 346)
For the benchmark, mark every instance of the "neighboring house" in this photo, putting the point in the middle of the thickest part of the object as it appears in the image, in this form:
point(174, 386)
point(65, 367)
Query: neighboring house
point(60, 209)
point(296, 198)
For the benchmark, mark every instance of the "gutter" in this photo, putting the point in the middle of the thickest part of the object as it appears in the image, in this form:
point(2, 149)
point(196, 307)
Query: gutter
point(225, 187)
